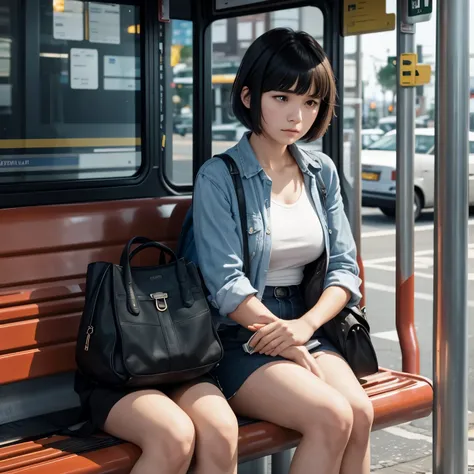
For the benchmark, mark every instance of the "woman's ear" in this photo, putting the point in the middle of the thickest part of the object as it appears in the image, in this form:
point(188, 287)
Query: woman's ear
point(245, 96)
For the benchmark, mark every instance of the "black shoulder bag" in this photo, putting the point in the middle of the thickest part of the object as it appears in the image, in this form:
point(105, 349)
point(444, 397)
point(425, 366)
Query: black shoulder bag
point(145, 326)
point(349, 330)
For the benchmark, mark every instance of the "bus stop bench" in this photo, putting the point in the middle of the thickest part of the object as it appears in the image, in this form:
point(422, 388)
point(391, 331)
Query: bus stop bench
point(44, 252)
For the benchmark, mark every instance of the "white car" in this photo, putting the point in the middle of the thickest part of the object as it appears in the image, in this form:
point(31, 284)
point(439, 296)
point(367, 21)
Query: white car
point(379, 172)
point(369, 136)
point(231, 132)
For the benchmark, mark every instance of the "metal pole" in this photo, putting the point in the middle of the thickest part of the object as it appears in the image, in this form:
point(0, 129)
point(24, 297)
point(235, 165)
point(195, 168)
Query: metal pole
point(281, 461)
point(450, 287)
point(405, 306)
point(257, 466)
point(356, 164)
point(355, 217)
point(351, 179)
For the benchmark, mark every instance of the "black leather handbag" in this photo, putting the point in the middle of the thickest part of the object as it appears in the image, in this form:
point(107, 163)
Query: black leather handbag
point(145, 326)
point(349, 330)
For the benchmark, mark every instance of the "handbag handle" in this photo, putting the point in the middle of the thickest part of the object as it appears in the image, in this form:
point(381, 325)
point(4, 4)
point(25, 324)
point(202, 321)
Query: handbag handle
point(181, 272)
point(147, 245)
point(127, 256)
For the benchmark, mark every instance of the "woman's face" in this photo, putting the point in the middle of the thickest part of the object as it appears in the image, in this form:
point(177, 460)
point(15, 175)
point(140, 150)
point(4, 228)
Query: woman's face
point(287, 116)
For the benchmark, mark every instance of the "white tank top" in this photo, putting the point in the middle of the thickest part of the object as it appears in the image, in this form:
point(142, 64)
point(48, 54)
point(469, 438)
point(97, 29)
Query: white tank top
point(297, 239)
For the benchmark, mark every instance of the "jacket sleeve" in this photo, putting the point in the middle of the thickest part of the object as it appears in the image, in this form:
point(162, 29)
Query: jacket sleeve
point(219, 245)
point(343, 269)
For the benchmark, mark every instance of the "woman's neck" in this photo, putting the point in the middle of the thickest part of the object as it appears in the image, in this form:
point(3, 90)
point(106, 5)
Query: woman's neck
point(270, 154)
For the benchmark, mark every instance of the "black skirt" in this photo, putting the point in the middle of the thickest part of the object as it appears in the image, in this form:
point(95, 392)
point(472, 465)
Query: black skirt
point(236, 366)
point(97, 401)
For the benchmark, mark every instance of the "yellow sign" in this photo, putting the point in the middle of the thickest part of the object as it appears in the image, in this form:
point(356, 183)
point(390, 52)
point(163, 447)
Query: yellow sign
point(423, 74)
point(366, 16)
point(134, 29)
point(408, 69)
point(175, 54)
point(58, 6)
point(411, 73)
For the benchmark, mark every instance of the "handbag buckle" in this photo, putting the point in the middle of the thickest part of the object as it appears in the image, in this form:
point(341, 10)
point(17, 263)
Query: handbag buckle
point(160, 301)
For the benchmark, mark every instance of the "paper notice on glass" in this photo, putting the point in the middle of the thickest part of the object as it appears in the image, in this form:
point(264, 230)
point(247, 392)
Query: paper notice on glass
point(121, 84)
point(104, 23)
point(121, 66)
point(84, 68)
point(68, 20)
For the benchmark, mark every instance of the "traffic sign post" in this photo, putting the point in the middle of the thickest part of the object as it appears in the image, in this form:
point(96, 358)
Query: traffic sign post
point(417, 11)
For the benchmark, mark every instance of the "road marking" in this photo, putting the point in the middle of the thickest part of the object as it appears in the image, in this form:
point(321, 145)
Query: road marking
point(389, 335)
point(398, 431)
point(402, 433)
point(391, 289)
point(390, 268)
point(419, 256)
point(384, 233)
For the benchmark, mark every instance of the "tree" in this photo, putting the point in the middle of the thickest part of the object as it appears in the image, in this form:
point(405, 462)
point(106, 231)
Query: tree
point(387, 78)
point(186, 53)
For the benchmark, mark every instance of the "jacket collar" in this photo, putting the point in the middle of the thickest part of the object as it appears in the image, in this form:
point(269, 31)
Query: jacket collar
point(249, 166)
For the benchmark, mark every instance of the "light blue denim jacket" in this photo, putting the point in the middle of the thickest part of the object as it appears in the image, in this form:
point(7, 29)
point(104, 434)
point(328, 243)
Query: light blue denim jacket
point(218, 235)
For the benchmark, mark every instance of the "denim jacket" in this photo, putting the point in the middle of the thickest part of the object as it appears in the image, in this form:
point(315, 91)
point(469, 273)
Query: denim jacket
point(216, 241)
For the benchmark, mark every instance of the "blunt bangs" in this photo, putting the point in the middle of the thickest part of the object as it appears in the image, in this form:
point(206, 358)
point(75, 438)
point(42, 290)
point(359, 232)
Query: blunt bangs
point(283, 60)
point(291, 70)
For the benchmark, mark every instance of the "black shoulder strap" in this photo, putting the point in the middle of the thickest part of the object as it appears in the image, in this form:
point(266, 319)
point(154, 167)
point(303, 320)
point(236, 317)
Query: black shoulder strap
point(239, 190)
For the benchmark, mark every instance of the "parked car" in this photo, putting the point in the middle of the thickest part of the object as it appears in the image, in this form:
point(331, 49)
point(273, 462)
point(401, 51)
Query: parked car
point(379, 172)
point(231, 132)
point(370, 135)
point(389, 123)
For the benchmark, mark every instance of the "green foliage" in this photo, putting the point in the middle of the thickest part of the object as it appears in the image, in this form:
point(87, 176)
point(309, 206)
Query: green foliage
point(387, 78)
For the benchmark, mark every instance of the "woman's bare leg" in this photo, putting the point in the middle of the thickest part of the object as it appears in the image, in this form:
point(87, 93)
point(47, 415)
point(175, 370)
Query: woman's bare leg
point(288, 395)
point(216, 426)
point(339, 375)
point(161, 429)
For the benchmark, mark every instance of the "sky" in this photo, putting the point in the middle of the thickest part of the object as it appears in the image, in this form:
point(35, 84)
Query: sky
point(376, 47)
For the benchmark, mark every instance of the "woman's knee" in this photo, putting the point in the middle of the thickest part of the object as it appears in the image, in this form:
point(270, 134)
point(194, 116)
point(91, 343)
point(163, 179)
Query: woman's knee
point(363, 412)
point(218, 438)
point(175, 445)
point(333, 421)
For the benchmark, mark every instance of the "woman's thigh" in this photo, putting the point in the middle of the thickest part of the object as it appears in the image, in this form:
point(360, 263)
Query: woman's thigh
point(340, 376)
point(291, 396)
point(207, 407)
point(146, 416)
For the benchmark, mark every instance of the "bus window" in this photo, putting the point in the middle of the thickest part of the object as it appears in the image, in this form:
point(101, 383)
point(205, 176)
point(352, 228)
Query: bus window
point(181, 91)
point(69, 90)
point(230, 39)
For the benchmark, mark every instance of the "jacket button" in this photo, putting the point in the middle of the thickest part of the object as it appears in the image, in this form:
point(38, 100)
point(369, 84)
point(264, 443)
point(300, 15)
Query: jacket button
point(251, 230)
point(330, 231)
point(269, 231)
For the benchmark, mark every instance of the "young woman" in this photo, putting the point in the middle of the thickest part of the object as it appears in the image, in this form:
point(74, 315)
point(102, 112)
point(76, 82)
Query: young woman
point(284, 91)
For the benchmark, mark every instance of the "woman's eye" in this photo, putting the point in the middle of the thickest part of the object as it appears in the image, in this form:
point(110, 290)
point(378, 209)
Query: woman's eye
point(281, 98)
point(312, 103)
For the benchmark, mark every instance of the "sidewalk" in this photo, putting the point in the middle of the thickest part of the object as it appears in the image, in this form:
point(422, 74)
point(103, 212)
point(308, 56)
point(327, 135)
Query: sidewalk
point(425, 465)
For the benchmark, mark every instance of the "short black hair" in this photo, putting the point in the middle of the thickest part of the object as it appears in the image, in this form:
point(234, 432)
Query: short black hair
point(276, 61)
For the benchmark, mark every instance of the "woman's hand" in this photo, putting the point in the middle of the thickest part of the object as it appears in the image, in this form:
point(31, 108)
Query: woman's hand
point(274, 336)
point(301, 356)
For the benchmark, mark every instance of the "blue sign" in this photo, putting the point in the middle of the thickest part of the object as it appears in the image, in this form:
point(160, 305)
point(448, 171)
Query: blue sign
point(181, 32)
